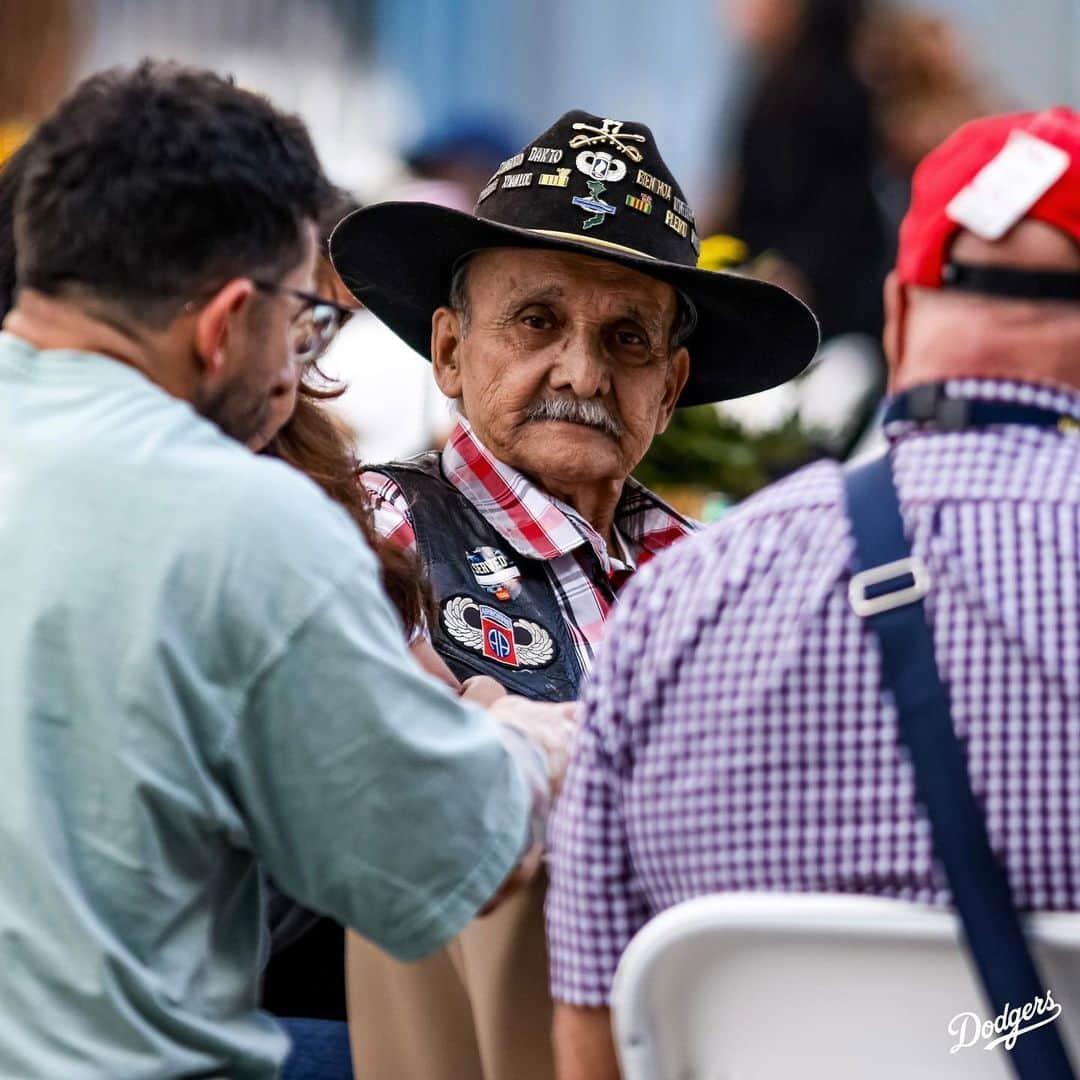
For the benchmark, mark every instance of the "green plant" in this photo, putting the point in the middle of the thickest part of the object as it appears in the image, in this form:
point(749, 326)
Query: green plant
point(703, 449)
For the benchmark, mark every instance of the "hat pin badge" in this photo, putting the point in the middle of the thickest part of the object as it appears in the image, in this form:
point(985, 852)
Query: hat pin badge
point(594, 204)
point(610, 133)
point(495, 573)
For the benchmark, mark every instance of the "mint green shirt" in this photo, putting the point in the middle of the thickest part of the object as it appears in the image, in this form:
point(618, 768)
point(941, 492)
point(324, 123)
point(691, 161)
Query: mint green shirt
point(199, 673)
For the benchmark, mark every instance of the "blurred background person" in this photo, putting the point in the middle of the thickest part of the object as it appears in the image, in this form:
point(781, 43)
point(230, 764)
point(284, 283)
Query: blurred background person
point(38, 57)
point(802, 183)
point(923, 86)
point(453, 161)
point(389, 403)
point(843, 98)
point(10, 175)
point(39, 50)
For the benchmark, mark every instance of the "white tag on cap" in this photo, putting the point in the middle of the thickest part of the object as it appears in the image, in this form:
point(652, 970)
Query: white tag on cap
point(1007, 187)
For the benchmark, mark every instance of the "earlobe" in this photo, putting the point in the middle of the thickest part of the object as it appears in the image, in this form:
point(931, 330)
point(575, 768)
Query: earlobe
point(445, 351)
point(215, 321)
point(210, 337)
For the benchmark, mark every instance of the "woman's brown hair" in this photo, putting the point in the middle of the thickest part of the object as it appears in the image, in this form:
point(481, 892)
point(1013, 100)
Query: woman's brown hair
point(314, 444)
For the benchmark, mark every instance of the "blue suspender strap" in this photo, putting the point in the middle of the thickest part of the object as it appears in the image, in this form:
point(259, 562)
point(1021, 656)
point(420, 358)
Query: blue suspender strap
point(888, 592)
point(931, 404)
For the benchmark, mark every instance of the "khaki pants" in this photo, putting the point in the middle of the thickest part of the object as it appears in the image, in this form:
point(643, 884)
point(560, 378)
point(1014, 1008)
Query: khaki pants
point(479, 1009)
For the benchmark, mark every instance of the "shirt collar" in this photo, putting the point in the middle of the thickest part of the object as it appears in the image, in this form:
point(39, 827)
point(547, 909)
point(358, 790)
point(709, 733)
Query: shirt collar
point(539, 526)
point(1061, 399)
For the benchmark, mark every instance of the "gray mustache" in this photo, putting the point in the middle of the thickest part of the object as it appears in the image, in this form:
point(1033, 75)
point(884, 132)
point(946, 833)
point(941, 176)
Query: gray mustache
point(576, 411)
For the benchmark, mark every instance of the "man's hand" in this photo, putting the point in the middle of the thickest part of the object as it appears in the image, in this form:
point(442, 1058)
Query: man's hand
point(518, 878)
point(482, 690)
point(423, 653)
point(584, 1045)
point(550, 726)
point(540, 736)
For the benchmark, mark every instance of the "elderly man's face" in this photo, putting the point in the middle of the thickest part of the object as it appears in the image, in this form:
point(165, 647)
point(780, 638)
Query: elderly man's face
point(563, 367)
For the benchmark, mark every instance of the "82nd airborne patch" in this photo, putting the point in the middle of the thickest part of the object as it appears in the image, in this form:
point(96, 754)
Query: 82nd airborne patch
point(516, 643)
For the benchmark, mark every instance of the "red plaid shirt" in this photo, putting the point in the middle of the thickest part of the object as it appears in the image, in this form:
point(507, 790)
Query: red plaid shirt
point(538, 526)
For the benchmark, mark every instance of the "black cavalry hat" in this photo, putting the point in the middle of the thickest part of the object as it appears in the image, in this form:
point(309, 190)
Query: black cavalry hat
point(590, 186)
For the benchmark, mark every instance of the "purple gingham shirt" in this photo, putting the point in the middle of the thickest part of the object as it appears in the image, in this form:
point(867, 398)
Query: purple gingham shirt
point(736, 733)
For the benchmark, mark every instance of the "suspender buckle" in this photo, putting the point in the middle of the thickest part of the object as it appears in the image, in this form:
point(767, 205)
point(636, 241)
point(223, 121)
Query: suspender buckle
point(864, 606)
point(931, 405)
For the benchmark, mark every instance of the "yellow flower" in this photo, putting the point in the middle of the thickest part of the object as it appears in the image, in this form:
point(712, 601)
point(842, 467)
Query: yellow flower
point(721, 252)
point(11, 138)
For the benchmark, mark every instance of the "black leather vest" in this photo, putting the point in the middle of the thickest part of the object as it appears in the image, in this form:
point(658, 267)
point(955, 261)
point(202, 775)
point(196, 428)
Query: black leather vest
point(510, 626)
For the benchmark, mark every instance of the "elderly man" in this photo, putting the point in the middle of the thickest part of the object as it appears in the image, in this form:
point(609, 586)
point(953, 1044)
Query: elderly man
point(567, 319)
point(199, 672)
point(737, 734)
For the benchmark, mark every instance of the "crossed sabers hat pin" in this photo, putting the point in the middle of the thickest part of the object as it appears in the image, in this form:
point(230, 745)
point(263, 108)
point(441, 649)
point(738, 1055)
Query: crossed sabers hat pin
point(611, 132)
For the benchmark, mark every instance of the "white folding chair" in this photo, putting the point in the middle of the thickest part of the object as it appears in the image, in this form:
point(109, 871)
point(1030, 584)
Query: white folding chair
point(775, 986)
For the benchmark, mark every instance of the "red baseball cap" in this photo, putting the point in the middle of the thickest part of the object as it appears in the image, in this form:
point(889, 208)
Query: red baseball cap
point(933, 218)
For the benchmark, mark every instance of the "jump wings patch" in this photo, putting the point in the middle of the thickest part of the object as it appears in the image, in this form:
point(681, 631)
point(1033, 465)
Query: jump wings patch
point(516, 643)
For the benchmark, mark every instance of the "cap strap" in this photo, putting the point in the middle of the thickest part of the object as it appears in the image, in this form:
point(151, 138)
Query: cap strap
point(1004, 281)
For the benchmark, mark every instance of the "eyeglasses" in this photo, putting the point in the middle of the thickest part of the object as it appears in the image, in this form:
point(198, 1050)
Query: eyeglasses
point(314, 326)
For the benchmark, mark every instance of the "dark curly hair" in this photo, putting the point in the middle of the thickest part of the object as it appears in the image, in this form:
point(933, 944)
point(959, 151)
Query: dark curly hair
point(148, 187)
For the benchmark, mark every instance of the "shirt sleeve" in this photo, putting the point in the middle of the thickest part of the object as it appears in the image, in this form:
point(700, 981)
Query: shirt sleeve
point(595, 904)
point(390, 510)
point(393, 522)
point(371, 793)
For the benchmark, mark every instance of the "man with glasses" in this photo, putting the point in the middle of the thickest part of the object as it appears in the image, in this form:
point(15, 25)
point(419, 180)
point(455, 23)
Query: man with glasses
point(311, 331)
point(199, 672)
point(315, 324)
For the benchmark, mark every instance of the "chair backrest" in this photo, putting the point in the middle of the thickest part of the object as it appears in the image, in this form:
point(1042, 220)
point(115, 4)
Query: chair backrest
point(764, 986)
